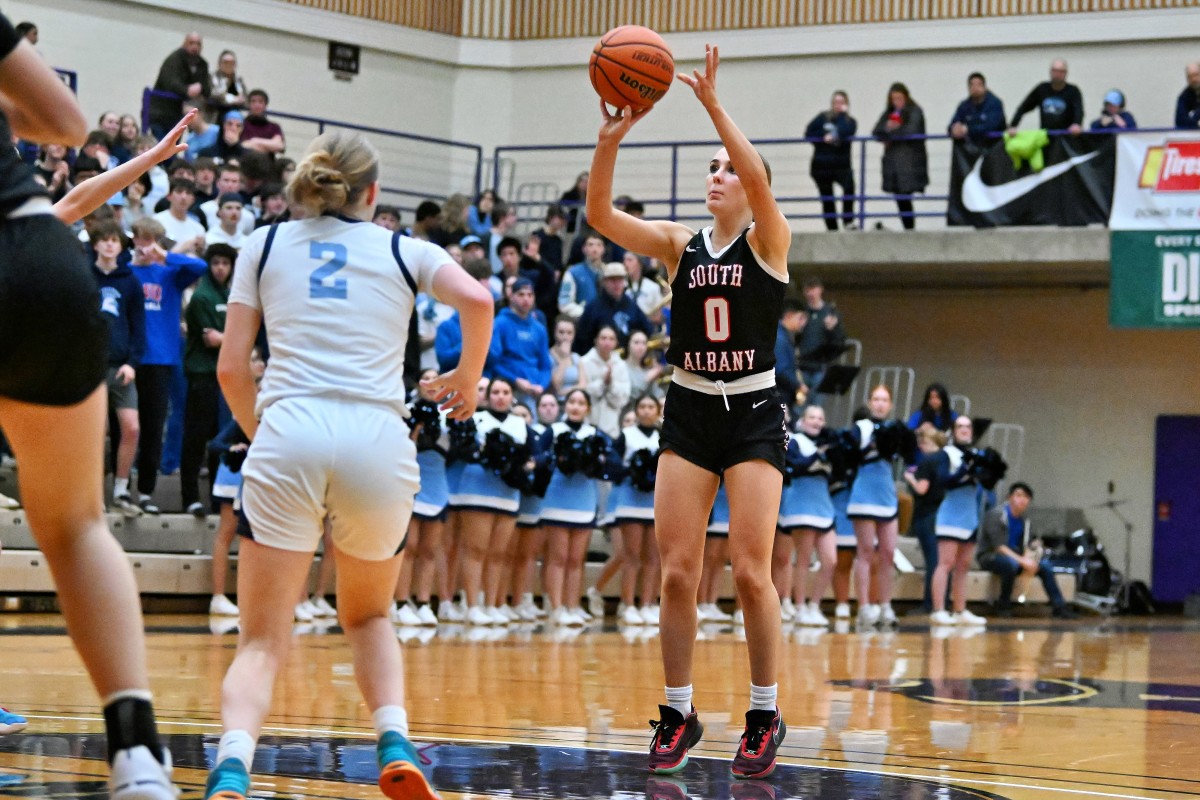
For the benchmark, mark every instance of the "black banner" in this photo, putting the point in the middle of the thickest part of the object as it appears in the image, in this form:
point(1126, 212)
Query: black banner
point(1073, 188)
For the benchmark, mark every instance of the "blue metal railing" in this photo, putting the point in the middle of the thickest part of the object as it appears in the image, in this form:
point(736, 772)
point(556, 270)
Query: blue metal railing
point(474, 151)
point(70, 78)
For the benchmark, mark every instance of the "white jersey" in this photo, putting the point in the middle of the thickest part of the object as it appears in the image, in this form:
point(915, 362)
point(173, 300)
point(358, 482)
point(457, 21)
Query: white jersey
point(336, 295)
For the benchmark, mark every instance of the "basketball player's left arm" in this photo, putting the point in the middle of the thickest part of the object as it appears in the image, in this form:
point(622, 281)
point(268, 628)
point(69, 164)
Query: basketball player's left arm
point(771, 236)
point(233, 364)
point(89, 195)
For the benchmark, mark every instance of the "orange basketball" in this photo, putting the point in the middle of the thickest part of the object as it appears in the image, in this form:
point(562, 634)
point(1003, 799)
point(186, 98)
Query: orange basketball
point(631, 66)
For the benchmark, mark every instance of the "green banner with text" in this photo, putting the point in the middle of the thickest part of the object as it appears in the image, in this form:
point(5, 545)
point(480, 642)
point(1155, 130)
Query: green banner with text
point(1155, 279)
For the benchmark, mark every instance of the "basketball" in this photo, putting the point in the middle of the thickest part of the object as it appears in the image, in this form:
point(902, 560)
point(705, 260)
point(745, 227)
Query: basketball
point(631, 66)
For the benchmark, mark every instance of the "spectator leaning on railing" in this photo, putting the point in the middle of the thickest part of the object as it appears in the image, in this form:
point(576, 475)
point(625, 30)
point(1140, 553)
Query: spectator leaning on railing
point(1060, 104)
point(1114, 116)
point(258, 132)
point(228, 88)
point(981, 114)
point(182, 75)
point(1187, 107)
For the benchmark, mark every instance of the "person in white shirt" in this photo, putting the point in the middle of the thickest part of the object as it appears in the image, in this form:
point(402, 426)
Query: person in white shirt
point(181, 227)
point(227, 229)
point(329, 437)
point(229, 179)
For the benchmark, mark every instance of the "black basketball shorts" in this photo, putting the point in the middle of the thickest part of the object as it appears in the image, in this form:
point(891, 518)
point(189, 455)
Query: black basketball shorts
point(698, 428)
point(53, 338)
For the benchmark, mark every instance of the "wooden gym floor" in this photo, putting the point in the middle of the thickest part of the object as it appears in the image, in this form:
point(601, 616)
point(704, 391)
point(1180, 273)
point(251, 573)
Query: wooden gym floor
point(1027, 709)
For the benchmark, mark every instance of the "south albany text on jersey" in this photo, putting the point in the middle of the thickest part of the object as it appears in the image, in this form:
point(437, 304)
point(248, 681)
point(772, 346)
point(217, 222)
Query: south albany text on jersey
point(723, 361)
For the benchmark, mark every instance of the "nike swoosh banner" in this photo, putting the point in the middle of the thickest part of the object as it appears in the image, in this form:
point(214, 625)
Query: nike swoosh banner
point(1073, 188)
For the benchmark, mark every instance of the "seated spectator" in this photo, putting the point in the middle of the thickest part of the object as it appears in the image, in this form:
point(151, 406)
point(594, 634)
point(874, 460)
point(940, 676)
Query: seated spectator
point(1059, 104)
point(98, 145)
point(135, 200)
point(905, 160)
point(123, 306)
point(504, 218)
point(508, 256)
point(787, 373)
point(284, 169)
point(643, 289)
point(473, 250)
point(228, 227)
point(228, 146)
point(608, 382)
point(110, 123)
point(981, 114)
point(205, 317)
point(201, 135)
point(520, 352)
point(55, 171)
point(205, 178)
point(568, 372)
point(644, 368)
point(1187, 107)
point(85, 167)
point(550, 240)
point(613, 308)
point(183, 75)
point(160, 183)
point(1003, 541)
point(573, 200)
point(581, 282)
point(822, 338)
point(831, 158)
point(448, 340)
point(259, 133)
point(180, 226)
point(181, 170)
point(935, 410)
point(229, 181)
point(258, 169)
point(273, 203)
point(545, 281)
point(452, 221)
point(425, 222)
point(480, 218)
point(633, 208)
point(387, 217)
point(228, 88)
point(1114, 116)
point(125, 142)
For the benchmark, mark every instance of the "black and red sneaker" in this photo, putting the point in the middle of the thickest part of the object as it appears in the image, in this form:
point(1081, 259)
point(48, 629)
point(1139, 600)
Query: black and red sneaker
point(674, 735)
point(760, 741)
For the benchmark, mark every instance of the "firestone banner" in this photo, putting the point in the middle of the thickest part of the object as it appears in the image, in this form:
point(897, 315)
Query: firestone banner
point(1155, 238)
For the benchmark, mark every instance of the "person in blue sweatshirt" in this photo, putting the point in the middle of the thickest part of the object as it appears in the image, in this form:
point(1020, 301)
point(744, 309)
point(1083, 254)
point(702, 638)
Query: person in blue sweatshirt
point(164, 276)
point(981, 114)
point(520, 350)
point(447, 339)
point(122, 305)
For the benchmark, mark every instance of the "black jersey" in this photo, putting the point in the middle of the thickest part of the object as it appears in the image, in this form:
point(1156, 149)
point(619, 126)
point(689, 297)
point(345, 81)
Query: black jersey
point(725, 310)
point(17, 183)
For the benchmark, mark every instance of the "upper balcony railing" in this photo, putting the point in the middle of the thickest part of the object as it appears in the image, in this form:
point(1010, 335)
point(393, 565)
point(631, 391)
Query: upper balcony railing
point(553, 19)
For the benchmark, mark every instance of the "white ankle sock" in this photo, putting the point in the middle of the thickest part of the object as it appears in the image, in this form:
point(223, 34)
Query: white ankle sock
point(236, 744)
point(391, 718)
point(680, 698)
point(120, 486)
point(764, 698)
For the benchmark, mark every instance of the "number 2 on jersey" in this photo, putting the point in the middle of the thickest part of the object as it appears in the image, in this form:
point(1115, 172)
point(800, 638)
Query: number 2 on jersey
point(716, 319)
point(319, 285)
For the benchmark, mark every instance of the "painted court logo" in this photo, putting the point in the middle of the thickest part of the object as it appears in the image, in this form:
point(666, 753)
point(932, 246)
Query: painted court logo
point(1173, 167)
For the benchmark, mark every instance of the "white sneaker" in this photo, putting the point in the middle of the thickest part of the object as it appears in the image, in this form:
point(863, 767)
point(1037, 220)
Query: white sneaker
point(868, 615)
point(942, 618)
point(426, 616)
point(8, 503)
point(583, 614)
point(787, 610)
point(510, 613)
point(406, 617)
point(632, 616)
point(595, 603)
point(887, 616)
point(498, 616)
point(650, 614)
point(324, 609)
point(136, 774)
point(527, 611)
point(842, 611)
point(715, 614)
point(304, 612)
point(222, 606)
point(738, 617)
point(965, 617)
point(527, 603)
point(478, 615)
point(811, 616)
point(448, 611)
point(702, 612)
point(124, 504)
point(574, 618)
point(197, 510)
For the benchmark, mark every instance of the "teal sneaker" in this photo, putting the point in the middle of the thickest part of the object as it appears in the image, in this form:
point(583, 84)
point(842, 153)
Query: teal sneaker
point(229, 780)
point(400, 777)
point(10, 722)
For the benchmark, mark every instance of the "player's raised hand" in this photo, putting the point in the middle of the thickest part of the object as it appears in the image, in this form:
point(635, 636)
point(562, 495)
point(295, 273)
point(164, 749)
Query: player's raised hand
point(172, 145)
point(617, 125)
point(705, 85)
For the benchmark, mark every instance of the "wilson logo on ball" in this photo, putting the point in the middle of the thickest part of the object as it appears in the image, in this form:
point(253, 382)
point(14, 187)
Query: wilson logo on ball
point(645, 91)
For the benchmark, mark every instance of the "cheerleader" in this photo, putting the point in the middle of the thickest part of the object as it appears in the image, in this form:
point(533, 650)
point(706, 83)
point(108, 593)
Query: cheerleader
point(874, 509)
point(957, 527)
point(633, 509)
point(569, 511)
point(531, 536)
point(488, 499)
point(464, 449)
point(426, 528)
point(808, 515)
point(716, 556)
